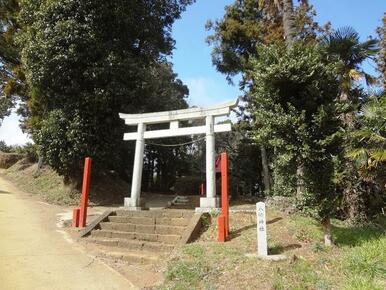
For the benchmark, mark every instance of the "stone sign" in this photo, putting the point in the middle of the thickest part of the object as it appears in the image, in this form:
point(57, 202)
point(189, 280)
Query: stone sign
point(262, 249)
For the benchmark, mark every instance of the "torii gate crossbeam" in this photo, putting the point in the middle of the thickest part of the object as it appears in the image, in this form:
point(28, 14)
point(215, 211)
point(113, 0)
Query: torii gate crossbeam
point(174, 117)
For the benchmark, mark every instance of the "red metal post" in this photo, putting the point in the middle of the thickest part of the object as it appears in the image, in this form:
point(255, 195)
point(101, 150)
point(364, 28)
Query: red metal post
point(221, 229)
point(202, 189)
point(225, 191)
point(85, 190)
point(75, 217)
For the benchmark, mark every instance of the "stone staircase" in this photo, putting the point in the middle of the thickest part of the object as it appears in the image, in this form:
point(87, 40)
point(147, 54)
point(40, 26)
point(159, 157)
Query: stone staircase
point(185, 202)
point(140, 237)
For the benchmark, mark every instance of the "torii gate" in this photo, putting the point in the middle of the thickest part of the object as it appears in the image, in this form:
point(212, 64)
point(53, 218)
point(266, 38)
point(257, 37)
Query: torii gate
point(174, 117)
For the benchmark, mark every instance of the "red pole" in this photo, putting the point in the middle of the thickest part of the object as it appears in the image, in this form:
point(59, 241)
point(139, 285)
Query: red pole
point(221, 236)
point(224, 191)
point(202, 189)
point(75, 217)
point(85, 190)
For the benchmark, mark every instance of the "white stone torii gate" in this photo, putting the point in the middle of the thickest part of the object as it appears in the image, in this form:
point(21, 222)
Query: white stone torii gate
point(174, 117)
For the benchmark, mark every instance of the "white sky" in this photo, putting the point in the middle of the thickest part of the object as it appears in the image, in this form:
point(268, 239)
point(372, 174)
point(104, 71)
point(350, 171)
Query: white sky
point(10, 131)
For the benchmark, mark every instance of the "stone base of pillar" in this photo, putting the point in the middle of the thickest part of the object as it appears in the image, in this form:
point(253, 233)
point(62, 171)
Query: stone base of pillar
point(208, 204)
point(131, 204)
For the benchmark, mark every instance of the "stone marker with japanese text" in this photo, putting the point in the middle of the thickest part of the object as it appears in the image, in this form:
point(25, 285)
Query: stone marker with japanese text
point(262, 250)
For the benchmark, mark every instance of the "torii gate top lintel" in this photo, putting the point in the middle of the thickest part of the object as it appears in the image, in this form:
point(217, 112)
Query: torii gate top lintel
point(173, 117)
point(180, 115)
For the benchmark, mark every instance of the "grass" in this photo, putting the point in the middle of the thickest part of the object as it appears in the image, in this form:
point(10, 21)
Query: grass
point(106, 188)
point(193, 271)
point(365, 264)
point(47, 183)
point(357, 262)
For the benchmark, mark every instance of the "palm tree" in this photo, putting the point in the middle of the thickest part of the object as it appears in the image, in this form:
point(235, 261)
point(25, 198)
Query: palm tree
point(345, 45)
point(370, 151)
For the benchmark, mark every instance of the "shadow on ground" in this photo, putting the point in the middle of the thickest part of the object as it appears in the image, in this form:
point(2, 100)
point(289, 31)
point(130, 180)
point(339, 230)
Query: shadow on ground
point(356, 235)
point(275, 250)
point(237, 233)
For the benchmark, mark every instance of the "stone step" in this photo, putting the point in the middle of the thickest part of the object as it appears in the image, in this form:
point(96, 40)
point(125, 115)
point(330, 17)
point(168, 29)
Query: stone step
point(132, 245)
point(139, 257)
point(167, 239)
point(182, 206)
point(169, 213)
point(146, 229)
point(180, 202)
point(133, 257)
point(149, 220)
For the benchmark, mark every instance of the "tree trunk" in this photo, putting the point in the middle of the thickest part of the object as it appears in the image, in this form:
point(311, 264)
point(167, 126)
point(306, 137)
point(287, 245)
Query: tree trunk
point(266, 175)
point(151, 174)
point(72, 183)
point(328, 240)
point(347, 118)
point(300, 186)
point(289, 22)
point(289, 27)
point(352, 199)
point(40, 165)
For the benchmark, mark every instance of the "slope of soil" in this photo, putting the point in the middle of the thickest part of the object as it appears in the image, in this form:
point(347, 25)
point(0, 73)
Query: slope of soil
point(9, 159)
point(105, 189)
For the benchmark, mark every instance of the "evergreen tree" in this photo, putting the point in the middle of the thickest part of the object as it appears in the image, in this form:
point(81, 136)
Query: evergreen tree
point(344, 45)
point(12, 82)
point(247, 24)
point(295, 111)
point(85, 62)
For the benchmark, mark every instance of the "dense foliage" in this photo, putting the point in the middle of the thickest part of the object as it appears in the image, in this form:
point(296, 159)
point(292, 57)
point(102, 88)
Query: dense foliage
point(12, 80)
point(86, 62)
point(250, 22)
point(368, 152)
point(295, 111)
point(303, 91)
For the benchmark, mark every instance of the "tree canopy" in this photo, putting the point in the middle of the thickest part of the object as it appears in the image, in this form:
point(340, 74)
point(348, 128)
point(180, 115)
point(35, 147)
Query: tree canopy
point(87, 61)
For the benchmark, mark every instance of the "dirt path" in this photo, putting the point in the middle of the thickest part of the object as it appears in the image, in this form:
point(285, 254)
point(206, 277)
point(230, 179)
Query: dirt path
point(34, 254)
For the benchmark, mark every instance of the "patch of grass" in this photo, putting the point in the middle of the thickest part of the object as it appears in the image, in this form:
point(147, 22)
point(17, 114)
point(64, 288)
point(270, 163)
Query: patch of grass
point(274, 248)
point(318, 247)
point(300, 275)
point(186, 274)
point(306, 229)
point(366, 264)
point(106, 187)
point(346, 235)
point(191, 271)
point(224, 253)
point(194, 251)
point(47, 183)
point(360, 282)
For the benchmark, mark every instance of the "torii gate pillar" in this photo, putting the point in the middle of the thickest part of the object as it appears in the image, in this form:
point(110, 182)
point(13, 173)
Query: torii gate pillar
point(210, 201)
point(173, 117)
point(134, 201)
